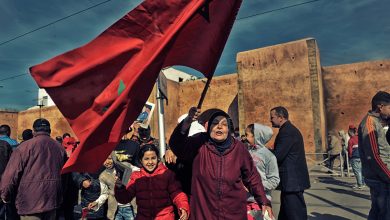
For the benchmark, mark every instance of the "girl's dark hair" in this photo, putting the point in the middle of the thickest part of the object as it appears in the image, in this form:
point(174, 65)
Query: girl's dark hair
point(251, 127)
point(148, 147)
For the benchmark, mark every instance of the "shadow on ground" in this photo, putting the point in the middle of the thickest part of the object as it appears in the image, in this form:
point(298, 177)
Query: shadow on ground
point(348, 192)
point(335, 204)
point(319, 216)
point(332, 180)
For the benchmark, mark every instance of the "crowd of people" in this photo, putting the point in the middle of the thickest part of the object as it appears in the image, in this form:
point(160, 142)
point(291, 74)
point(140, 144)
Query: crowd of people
point(208, 171)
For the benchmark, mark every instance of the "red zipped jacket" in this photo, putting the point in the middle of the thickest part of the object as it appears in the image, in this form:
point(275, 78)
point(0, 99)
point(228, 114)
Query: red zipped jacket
point(155, 192)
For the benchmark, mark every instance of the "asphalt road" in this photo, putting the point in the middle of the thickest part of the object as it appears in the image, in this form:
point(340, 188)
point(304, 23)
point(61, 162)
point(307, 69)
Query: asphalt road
point(332, 198)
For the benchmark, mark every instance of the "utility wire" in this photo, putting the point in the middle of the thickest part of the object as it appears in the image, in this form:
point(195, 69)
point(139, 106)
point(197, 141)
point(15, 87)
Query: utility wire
point(71, 15)
point(44, 26)
point(13, 77)
point(53, 22)
point(277, 9)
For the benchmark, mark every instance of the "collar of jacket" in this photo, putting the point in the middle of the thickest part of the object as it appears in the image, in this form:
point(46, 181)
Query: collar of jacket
point(159, 170)
point(39, 133)
point(374, 114)
point(213, 149)
point(285, 124)
point(378, 117)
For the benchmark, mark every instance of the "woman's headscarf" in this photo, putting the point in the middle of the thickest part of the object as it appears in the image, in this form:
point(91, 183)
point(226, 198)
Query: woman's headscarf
point(220, 146)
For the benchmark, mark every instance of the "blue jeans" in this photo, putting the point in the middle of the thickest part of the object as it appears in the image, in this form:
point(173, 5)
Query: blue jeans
point(380, 200)
point(357, 170)
point(124, 213)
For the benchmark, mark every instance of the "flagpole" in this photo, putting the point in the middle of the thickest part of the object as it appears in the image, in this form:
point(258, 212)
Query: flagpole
point(206, 87)
point(160, 109)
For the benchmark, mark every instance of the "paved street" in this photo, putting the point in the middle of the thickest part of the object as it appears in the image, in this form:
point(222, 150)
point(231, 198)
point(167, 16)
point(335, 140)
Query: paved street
point(332, 198)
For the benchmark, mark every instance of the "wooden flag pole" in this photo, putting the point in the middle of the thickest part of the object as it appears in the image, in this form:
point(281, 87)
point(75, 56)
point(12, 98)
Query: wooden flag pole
point(206, 87)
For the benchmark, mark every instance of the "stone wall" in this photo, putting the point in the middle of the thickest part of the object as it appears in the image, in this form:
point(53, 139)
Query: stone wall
point(222, 94)
point(181, 96)
point(283, 75)
point(58, 123)
point(11, 118)
point(349, 89)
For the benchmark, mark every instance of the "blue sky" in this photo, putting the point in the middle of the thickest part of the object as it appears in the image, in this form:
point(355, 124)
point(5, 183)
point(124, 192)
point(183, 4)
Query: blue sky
point(346, 31)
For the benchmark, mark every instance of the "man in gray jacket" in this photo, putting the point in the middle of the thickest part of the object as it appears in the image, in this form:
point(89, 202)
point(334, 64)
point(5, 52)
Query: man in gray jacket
point(374, 153)
point(33, 175)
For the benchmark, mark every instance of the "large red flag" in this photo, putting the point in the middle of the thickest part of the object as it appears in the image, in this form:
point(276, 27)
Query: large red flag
point(101, 87)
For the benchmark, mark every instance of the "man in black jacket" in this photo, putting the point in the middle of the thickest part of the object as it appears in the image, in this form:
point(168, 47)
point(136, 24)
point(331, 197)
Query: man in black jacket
point(294, 176)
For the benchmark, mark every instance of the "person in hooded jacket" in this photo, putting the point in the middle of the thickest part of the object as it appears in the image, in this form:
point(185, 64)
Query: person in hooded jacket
point(221, 165)
point(258, 136)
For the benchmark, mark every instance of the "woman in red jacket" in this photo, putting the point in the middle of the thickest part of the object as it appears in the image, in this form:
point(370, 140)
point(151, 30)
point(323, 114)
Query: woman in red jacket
point(220, 166)
point(155, 188)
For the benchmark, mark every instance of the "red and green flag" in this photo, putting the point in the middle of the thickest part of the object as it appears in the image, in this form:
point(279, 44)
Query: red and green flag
point(101, 87)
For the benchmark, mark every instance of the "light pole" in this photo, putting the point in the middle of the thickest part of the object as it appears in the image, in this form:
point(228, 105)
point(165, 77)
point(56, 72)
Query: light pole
point(40, 109)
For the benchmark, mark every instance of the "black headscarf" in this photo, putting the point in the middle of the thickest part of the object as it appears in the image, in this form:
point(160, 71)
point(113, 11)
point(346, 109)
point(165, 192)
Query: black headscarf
point(224, 145)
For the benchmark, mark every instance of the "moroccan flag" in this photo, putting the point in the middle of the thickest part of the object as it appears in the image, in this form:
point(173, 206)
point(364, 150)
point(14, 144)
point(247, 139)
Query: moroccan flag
point(101, 87)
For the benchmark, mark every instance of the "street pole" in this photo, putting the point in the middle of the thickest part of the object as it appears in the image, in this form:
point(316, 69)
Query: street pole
point(40, 110)
point(161, 127)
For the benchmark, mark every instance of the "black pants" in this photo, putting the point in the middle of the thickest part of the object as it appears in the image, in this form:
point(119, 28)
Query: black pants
point(292, 206)
point(8, 211)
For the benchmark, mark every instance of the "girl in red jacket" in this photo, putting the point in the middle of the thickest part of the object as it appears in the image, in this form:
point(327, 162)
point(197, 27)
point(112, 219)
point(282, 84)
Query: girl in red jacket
point(155, 188)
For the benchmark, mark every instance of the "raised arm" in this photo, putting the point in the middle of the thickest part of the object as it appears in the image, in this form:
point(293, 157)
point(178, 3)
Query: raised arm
point(185, 147)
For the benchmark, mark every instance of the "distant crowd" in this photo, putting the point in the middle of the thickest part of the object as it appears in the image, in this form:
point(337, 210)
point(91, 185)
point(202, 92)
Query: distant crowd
point(208, 170)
